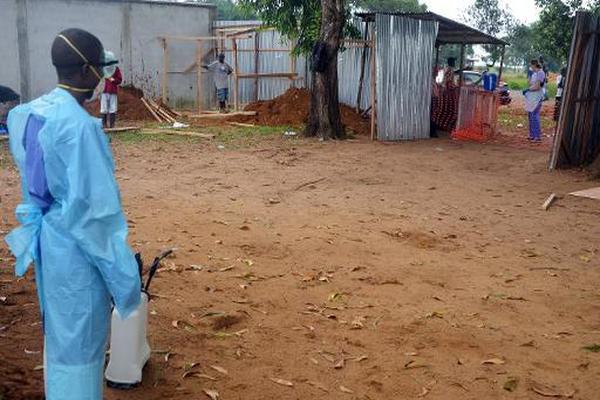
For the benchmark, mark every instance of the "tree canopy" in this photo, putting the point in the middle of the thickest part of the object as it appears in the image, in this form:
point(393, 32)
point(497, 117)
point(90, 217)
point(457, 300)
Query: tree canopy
point(390, 5)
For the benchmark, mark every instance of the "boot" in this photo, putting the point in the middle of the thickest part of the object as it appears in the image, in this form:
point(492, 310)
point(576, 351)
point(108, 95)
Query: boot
point(104, 124)
point(222, 106)
point(112, 117)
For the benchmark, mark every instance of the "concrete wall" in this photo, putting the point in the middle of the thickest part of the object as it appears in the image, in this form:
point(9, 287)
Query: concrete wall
point(129, 28)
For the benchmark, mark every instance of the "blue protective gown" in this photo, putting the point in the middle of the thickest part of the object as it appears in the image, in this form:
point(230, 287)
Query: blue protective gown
point(74, 231)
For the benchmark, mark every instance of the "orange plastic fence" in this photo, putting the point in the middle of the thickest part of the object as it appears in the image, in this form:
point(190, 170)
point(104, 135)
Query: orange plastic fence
point(477, 114)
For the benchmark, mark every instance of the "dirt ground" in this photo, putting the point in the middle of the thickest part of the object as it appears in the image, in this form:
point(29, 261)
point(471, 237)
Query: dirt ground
point(352, 270)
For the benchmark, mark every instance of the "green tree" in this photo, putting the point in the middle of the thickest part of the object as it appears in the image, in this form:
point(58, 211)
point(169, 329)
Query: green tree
point(554, 30)
point(522, 45)
point(493, 18)
point(390, 5)
point(308, 22)
point(230, 10)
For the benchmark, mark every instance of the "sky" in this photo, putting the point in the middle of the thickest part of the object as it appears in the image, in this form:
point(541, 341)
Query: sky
point(524, 10)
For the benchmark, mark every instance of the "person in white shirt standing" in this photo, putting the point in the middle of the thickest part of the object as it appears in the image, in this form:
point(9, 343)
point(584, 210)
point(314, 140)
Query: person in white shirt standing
point(221, 71)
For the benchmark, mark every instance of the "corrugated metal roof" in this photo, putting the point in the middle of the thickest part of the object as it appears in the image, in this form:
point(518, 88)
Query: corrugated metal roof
point(450, 31)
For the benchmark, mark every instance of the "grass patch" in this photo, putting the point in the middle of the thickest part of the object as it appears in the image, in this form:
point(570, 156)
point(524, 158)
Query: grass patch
point(518, 82)
point(510, 121)
point(594, 348)
point(231, 137)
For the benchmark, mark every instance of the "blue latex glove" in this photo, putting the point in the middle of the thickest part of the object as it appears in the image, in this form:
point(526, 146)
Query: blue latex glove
point(525, 92)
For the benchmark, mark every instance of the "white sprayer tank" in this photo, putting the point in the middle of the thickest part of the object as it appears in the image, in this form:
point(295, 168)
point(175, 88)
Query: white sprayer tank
point(129, 349)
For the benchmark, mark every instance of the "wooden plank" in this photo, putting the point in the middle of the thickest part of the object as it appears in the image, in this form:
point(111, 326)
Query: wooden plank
point(593, 193)
point(242, 124)
point(121, 129)
point(256, 63)
point(235, 75)
point(269, 75)
point(196, 38)
point(501, 64)
point(363, 62)
point(177, 132)
point(549, 202)
point(149, 107)
point(160, 111)
point(373, 82)
point(223, 115)
point(165, 72)
point(199, 85)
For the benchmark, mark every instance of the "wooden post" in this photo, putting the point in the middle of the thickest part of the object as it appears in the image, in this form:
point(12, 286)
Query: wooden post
point(165, 72)
point(256, 63)
point(199, 86)
point(235, 75)
point(363, 61)
point(373, 82)
point(462, 62)
point(292, 62)
point(501, 64)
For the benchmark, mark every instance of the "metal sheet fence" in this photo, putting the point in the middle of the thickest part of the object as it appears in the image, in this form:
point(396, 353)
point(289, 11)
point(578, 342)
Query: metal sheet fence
point(404, 52)
point(269, 62)
point(349, 64)
point(577, 141)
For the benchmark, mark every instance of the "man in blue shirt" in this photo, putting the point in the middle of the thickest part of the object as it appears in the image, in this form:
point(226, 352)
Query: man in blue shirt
point(72, 226)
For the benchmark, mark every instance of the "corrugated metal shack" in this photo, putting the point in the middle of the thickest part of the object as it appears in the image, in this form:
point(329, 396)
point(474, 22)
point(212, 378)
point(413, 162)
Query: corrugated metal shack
point(577, 141)
point(406, 46)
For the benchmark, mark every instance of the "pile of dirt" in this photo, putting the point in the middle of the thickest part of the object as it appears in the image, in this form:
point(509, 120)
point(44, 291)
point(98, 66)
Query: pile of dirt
point(292, 108)
point(131, 107)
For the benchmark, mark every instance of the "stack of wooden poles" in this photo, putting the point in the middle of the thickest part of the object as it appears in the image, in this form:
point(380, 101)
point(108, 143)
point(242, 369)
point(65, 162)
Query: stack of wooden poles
point(159, 111)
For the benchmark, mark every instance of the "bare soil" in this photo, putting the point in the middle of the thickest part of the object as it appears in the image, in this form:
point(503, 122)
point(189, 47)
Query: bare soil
point(353, 270)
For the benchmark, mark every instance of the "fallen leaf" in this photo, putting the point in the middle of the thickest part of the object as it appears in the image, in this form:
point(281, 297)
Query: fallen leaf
point(546, 393)
point(224, 269)
point(314, 361)
point(494, 361)
point(357, 323)
point(318, 386)
point(594, 348)
point(220, 369)
point(38, 368)
point(531, 343)
point(248, 262)
point(282, 382)
point(435, 314)
point(274, 201)
point(511, 384)
point(335, 296)
point(340, 364)
point(191, 365)
point(423, 393)
point(175, 324)
point(197, 374)
point(32, 352)
point(346, 390)
point(213, 394)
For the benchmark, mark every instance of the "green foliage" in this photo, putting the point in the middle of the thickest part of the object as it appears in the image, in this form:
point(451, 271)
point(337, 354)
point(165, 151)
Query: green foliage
point(554, 30)
point(300, 20)
point(518, 82)
point(229, 10)
point(390, 5)
point(594, 348)
point(491, 17)
point(522, 47)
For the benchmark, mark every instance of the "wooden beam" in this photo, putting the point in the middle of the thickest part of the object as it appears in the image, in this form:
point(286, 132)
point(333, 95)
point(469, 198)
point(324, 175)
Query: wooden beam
point(461, 66)
point(373, 82)
point(235, 75)
point(256, 63)
point(223, 115)
point(149, 108)
point(363, 62)
point(199, 85)
point(501, 64)
point(195, 38)
point(269, 75)
point(121, 129)
point(165, 72)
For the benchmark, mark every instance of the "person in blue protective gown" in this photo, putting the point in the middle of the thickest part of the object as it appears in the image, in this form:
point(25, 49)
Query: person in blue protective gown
point(72, 226)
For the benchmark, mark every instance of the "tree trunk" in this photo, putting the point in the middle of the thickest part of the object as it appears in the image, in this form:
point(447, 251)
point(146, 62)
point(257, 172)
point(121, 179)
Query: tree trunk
point(324, 120)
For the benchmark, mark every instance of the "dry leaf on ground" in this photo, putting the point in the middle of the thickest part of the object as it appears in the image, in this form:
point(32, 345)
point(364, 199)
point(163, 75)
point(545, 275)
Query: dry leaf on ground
point(213, 394)
point(282, 382)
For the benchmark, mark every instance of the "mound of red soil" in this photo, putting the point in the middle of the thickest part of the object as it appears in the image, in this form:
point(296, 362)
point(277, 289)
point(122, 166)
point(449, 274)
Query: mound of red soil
point(131, 107)
point(292, 108)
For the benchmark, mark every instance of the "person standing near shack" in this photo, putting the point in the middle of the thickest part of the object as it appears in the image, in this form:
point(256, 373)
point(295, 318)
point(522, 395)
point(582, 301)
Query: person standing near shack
point(221, 71)
point(560, 87)
point(72, 225)
point(534, 96)
point(109, 100)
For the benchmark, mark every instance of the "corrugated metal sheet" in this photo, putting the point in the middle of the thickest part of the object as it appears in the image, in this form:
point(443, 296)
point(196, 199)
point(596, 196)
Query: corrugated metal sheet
point(349, 64)
point(404, 63)
point(269, 62)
